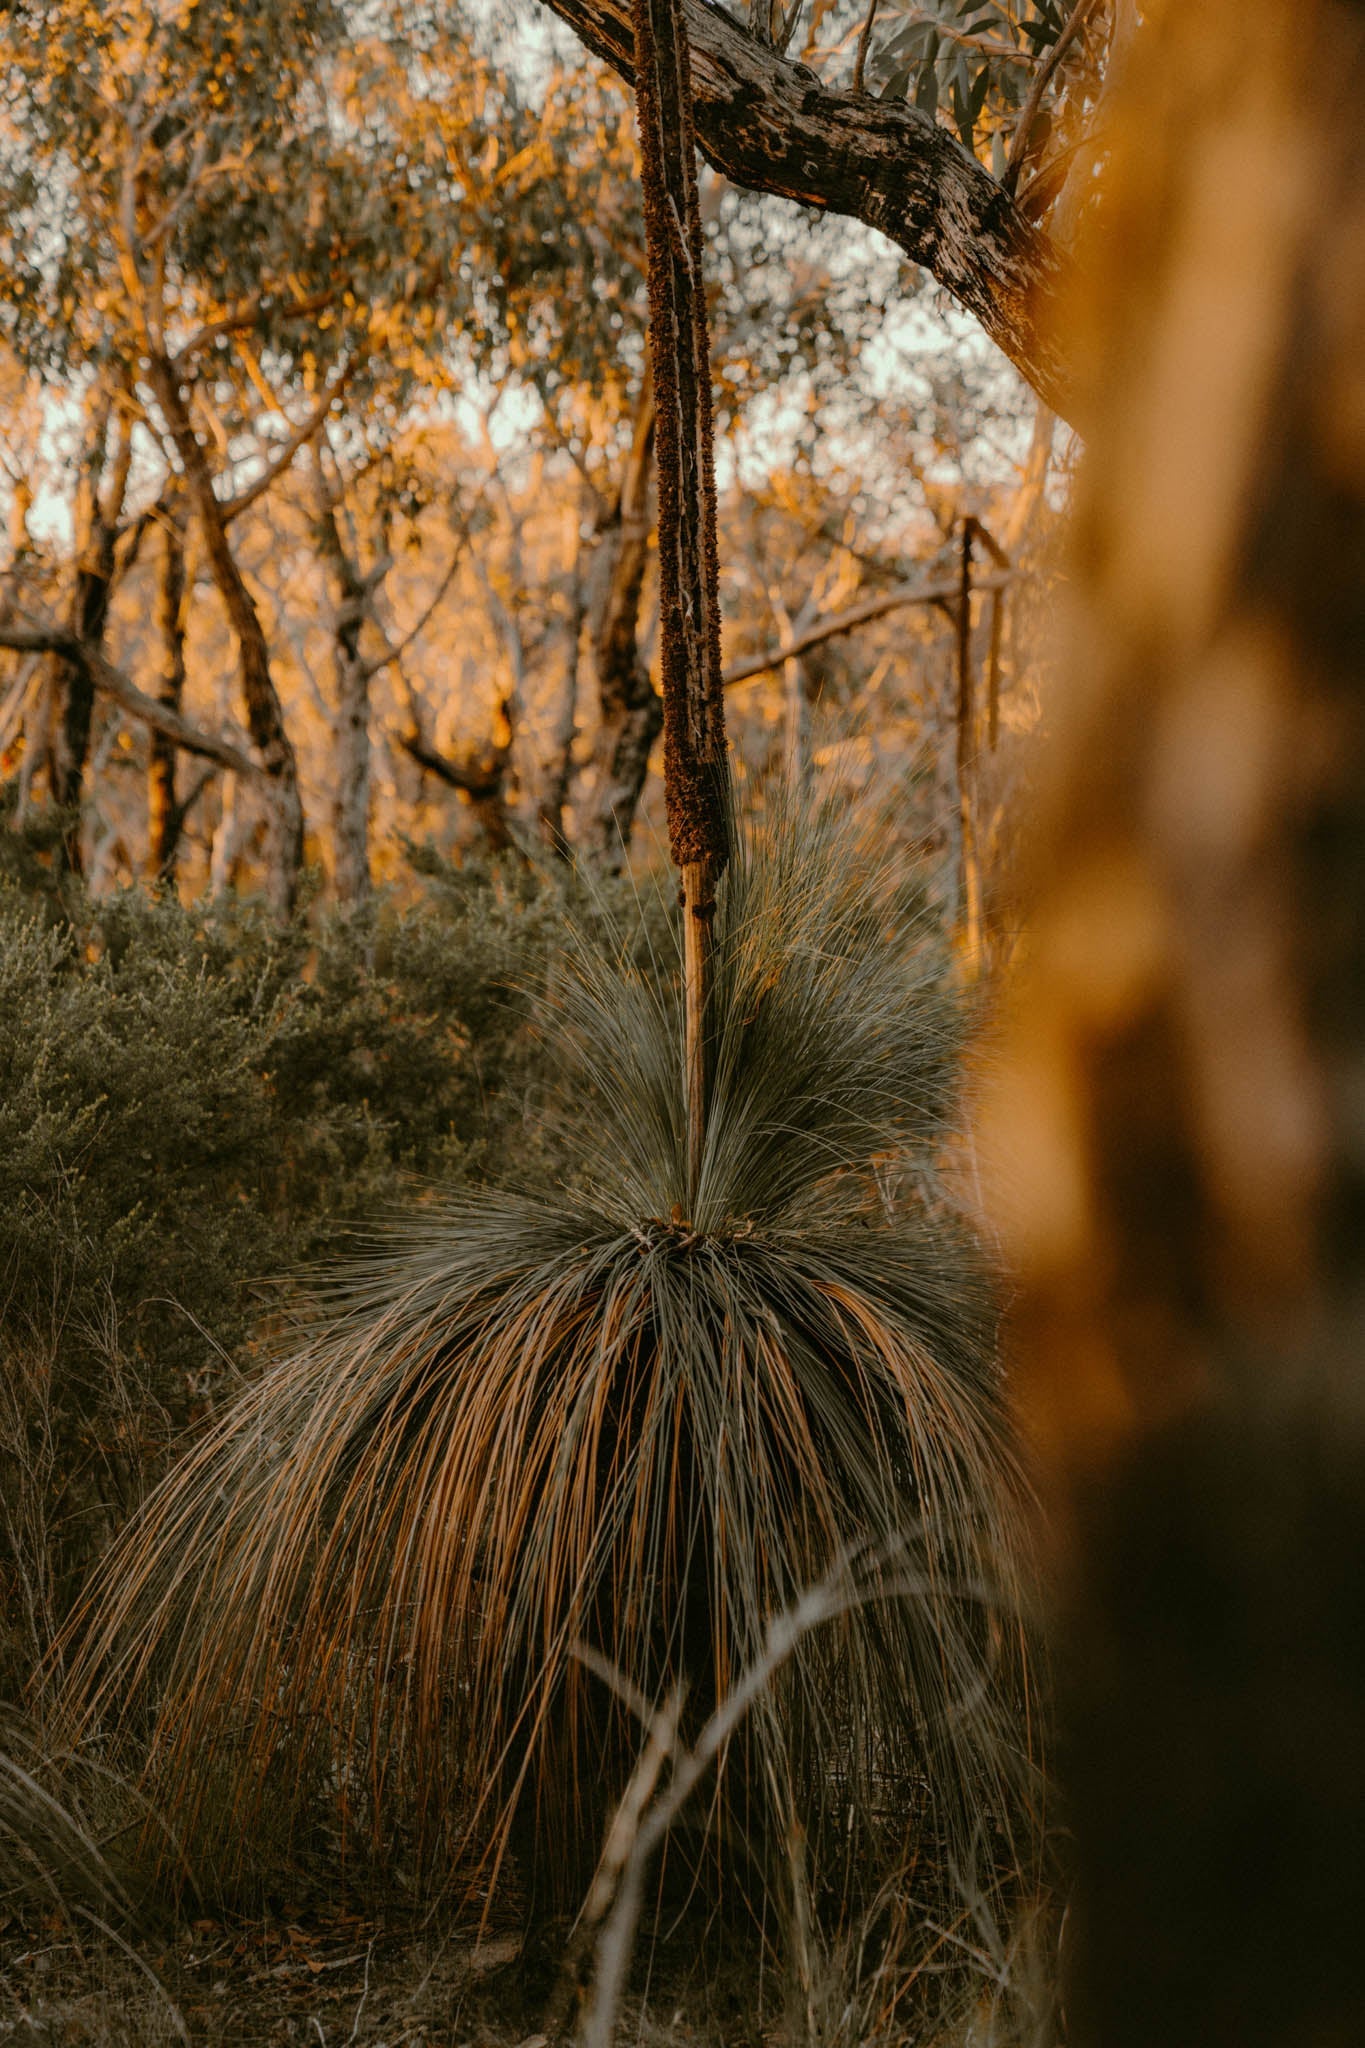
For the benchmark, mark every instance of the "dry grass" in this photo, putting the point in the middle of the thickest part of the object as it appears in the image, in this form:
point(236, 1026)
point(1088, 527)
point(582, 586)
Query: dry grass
point(49, 1850)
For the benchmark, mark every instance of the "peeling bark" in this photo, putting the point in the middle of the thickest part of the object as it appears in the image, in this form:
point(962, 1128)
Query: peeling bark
point(772, 126)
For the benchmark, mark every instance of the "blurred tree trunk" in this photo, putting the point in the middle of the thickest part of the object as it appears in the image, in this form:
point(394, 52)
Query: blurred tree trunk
point(554, 788)
point(236, 828)
point(104, 483)
point(165, 813)
point(264, 712)
point(1183, 1119)
point(352, 673)
point(631, 714)
point(351, 795)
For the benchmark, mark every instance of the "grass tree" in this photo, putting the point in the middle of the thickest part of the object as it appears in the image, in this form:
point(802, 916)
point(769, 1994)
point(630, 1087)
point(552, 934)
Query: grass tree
point(547, 1460)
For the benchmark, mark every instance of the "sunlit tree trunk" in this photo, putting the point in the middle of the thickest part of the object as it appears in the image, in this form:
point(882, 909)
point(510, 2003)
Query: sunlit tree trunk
point(1182, 1118)
point(554, 790)
point(351, 796)
point(236, 825)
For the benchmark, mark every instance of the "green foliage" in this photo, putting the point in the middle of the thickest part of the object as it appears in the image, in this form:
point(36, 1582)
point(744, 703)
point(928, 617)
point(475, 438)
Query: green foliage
point(973, 61)
point(192, 1103)
point(532, 1420)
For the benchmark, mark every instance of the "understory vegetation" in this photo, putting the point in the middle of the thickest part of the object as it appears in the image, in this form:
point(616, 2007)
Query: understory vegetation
point(194, 1105)
point(387, 1458)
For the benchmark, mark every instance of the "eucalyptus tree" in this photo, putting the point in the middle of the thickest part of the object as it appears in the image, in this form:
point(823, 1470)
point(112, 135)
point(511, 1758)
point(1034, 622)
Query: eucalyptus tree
point(201, 215)
point(540, 177)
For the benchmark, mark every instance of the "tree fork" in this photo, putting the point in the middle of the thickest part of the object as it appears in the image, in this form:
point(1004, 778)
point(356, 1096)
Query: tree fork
point(695, 767)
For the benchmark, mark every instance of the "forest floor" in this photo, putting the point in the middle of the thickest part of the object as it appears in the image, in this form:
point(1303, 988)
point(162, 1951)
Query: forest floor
point(346, 1983)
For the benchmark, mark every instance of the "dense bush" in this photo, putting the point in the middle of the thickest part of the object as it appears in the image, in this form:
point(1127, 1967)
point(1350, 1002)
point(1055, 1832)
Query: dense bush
point(193, 1105)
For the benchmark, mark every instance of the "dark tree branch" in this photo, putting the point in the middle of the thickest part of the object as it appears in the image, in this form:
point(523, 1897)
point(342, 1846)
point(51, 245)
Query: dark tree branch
point(399, 648)
point(479, 780)
point(46, 637)
point(1019, 142)
point(772, 126)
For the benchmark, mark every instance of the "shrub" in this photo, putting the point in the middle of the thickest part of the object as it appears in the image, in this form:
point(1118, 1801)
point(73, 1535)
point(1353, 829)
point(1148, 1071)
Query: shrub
point(194, 1104)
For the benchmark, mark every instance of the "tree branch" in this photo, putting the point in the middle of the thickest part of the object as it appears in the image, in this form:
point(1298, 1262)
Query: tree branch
point(1019, 141)
point(483, 781)
point(772, 126)
point(414, 632)
point(281, 462)
point(45, 636)
point(246, 315)
point(902, 594)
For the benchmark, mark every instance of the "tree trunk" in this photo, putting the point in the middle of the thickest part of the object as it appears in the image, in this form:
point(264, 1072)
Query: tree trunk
point(261, 703)
point(964, 764)
point(165, 814)
point(351, 752)
point(236, 825)
point(554, 788)
point(351, 797)
point(1182, 1115)
point(630, 713)
point(795, 691)
point(101, 503)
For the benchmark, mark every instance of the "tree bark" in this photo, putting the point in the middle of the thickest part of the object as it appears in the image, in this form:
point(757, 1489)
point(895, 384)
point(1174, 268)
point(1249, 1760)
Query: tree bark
point(772, 126)
point(351, 796)
point(696, 763)
point(554, 789)
point(236, 825)
point(630, 714)
point(165, 814)
point(261, 703)
point(103, 485)
point(351, 750)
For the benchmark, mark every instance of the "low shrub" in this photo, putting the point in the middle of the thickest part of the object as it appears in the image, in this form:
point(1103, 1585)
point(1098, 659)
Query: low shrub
point(196, 1104)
